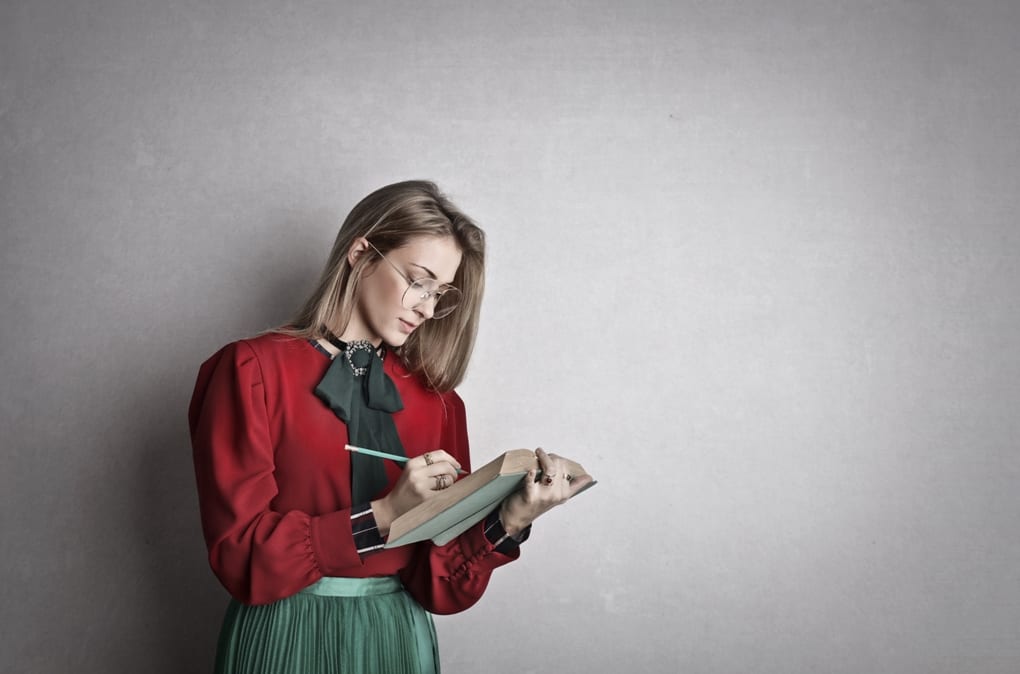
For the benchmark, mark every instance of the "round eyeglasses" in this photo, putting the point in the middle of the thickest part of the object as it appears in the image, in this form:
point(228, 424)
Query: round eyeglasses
point(446, 297)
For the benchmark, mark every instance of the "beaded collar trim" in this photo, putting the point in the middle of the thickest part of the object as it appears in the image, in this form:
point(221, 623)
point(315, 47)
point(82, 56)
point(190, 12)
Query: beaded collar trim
point(352, 350)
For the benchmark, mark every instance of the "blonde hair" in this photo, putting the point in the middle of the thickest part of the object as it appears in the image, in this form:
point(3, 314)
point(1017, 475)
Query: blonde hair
point(439, 350)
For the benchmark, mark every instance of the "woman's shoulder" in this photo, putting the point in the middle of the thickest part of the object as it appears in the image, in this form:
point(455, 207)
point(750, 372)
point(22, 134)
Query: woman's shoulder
point(267, 347)
point(274, 342)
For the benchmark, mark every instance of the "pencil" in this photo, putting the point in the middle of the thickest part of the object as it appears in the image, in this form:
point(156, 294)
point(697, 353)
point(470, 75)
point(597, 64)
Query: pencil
point(384, 455)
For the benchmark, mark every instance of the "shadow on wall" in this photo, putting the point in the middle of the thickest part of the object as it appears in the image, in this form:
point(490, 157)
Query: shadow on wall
point(184, 601)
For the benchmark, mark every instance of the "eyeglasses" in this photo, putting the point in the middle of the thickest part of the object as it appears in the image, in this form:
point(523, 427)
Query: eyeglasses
point(419, 291)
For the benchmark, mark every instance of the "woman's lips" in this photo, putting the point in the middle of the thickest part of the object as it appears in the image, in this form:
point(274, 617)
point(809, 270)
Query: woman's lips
point(407, 327)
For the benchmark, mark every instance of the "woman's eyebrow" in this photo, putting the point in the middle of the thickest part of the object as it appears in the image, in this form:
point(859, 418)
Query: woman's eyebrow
point(427, 271)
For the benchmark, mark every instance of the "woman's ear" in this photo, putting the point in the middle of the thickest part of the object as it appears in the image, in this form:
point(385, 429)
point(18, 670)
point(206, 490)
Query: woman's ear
point(357, 249)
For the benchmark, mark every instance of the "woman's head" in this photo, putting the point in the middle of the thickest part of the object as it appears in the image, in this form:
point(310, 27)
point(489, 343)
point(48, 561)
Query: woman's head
point(403, 231)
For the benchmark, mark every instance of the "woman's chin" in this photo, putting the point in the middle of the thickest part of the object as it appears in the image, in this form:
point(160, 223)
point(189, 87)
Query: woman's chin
point(396, 339)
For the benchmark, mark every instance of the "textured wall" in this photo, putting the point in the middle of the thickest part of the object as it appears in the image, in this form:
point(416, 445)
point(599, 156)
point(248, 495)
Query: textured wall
point(754, 264)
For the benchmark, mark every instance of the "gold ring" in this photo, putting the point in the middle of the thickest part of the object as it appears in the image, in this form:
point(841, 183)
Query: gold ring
point(441, 482)
point(428, 459)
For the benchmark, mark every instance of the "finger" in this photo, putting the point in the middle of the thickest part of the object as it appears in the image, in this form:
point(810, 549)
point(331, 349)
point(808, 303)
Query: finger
point(531, 486)
point(440, 482)
point(545, 463)
point(438, 476)
point(579, 484)
point(438, 455)
point(556, 487)
point(446, 470)
point(556, 474)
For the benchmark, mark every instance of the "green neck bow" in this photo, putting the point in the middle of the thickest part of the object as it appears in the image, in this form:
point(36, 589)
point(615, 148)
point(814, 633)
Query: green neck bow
point(361, 395)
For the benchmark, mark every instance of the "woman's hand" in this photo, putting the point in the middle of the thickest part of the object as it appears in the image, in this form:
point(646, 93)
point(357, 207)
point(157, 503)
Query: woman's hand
point(535, 498)
point(422, 478)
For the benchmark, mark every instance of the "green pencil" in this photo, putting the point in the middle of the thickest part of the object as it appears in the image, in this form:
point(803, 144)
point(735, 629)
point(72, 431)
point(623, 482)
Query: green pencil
point(385, 455)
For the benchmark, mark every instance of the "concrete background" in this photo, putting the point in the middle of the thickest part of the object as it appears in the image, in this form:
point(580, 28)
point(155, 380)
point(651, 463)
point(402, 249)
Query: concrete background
point(753, 264)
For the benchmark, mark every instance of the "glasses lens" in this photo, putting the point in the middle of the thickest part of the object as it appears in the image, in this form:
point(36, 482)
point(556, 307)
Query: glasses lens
point(448, 301)
point(446, 298)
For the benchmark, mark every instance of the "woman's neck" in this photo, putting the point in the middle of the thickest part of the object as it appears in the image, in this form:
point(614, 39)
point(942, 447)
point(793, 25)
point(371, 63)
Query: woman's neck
point(329, 341)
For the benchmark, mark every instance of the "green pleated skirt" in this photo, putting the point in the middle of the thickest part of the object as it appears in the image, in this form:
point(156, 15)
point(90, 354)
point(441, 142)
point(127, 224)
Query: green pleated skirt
point(335, 626)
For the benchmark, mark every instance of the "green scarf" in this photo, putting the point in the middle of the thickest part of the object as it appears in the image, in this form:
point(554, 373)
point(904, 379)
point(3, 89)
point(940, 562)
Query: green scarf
point(361, 395)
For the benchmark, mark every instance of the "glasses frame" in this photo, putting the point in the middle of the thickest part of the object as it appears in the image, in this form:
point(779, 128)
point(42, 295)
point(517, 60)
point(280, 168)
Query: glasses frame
point(434, 295)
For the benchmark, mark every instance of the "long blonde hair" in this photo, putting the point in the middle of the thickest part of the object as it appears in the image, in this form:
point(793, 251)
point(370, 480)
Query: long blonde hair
point(439, 350)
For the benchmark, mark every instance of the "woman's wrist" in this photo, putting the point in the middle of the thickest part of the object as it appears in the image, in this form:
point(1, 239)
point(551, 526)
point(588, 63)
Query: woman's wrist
point(499, 538)
point(512, 525)
point(383, 513)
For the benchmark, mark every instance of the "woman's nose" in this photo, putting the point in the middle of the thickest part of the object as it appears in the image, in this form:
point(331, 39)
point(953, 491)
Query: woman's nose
point(427, 307)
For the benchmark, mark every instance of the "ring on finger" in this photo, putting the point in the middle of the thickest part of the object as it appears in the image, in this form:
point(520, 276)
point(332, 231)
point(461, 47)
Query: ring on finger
point(441, 482)
point(428, 459)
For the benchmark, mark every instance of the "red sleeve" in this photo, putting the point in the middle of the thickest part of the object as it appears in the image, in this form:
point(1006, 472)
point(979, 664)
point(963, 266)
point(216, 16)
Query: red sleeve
point(451, 578)
point(258, 555)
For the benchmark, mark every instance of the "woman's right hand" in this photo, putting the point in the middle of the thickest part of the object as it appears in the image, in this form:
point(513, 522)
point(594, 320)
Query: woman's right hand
point(423, 477)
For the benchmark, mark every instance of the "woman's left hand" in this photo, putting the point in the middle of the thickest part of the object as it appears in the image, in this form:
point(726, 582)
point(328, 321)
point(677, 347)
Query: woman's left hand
point(535, 498)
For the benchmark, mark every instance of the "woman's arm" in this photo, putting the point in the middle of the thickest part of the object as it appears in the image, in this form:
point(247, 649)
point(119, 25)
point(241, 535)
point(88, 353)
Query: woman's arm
point(259, 555)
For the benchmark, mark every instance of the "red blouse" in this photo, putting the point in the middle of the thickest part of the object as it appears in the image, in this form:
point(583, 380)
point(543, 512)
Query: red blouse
point(274, 479)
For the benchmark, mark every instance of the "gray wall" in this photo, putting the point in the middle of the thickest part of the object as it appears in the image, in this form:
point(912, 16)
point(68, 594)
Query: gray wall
point(753, 264)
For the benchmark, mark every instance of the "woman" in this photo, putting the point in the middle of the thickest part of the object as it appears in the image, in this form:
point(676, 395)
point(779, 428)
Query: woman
point(295, 525)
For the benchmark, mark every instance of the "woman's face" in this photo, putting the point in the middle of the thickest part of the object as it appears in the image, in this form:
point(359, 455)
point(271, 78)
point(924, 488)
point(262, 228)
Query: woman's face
point(379, 315)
